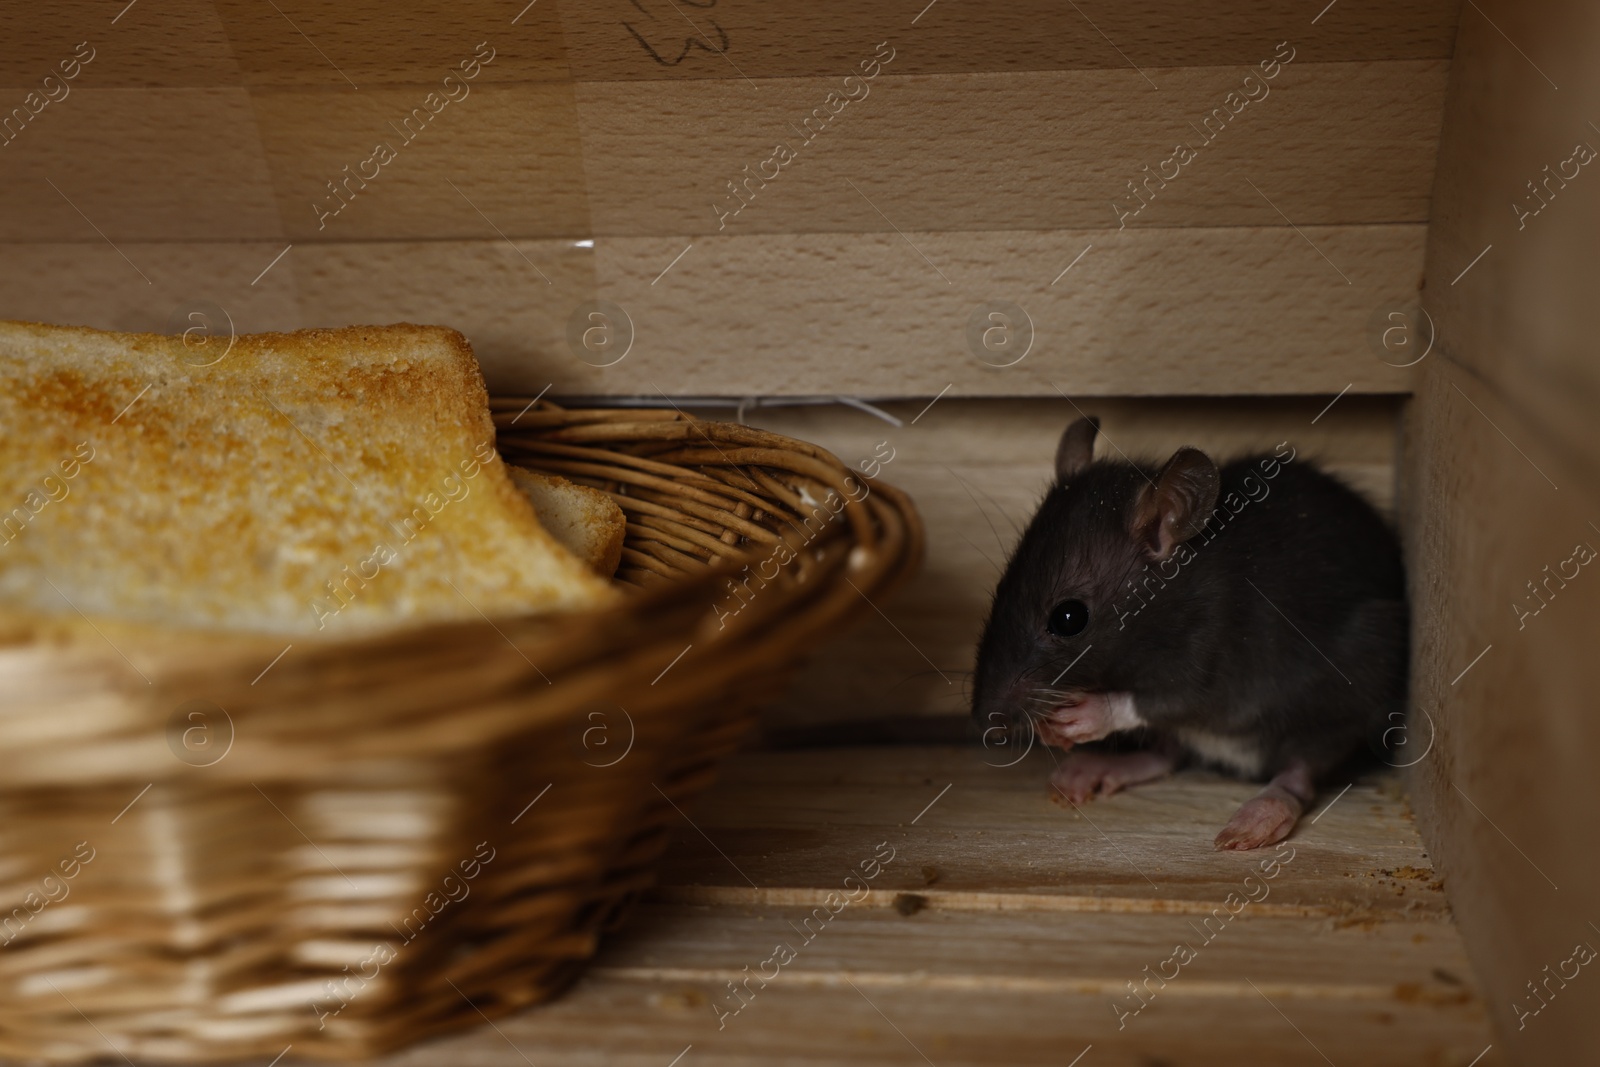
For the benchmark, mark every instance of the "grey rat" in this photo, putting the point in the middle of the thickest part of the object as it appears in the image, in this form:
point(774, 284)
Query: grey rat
point(1251, 617)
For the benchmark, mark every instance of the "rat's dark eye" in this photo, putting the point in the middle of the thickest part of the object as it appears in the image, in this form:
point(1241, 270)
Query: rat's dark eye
point(1068, 618)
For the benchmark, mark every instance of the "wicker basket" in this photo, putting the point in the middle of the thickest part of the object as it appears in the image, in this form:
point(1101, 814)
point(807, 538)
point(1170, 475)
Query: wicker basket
point(371, 841)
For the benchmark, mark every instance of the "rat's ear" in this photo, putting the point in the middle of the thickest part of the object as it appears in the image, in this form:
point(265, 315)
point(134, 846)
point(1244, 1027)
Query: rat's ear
point(1177, 506)
point(1076, 449)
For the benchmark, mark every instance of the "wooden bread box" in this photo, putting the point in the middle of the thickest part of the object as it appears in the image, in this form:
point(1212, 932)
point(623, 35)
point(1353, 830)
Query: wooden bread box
point(926, 236)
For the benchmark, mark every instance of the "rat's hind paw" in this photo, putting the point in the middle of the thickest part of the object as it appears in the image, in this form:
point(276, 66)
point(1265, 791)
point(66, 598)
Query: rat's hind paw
point(1265, 819)
point(1084, 775)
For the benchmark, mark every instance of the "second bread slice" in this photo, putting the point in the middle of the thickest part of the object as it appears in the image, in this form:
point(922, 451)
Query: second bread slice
point(586, 522)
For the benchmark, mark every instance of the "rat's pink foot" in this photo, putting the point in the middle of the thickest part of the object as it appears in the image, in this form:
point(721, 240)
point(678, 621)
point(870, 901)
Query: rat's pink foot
point(1090, 717)
point(1083, 776)
point(1270, 815)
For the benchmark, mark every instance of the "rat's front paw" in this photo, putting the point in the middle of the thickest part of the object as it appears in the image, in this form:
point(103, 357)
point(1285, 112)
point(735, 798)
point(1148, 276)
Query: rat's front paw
point(1261, 820)
point(1082, 776)
point(1090, 718)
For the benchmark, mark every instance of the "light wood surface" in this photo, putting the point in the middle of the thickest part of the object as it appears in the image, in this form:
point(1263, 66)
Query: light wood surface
point(1505, 678)
point(1141, 313)
point(550, 159)
point(1502, 482)
point(1005, 927)
point(199, 43)
point(1524, 317)
point(973, 174)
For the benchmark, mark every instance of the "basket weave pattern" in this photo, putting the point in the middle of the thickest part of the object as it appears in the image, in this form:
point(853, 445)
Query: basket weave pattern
point(411, 828)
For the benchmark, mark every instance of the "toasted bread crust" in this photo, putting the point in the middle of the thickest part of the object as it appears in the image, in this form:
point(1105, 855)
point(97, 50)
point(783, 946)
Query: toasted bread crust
point(586, 521)
point(323, 481)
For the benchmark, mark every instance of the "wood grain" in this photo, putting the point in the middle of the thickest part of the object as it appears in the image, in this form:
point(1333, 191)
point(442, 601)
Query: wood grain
point(231, 43)
point(1049, 149)
point(1004, 929)
point(998, 840)
point(139, 165)
point(1502, 482)
point(778, 41)
point(1523, 317)
point(1142, 313)
point(1508, 786)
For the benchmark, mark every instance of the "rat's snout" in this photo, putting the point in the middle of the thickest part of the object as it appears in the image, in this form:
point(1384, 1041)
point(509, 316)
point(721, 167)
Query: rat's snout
point(1000, 712)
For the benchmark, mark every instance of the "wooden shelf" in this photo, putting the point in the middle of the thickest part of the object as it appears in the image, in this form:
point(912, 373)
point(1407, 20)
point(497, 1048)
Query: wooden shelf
point(1005, 928)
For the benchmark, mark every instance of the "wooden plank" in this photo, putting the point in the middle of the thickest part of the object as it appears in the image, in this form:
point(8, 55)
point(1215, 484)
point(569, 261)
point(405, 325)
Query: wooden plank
point(787, 41)
point(646, 1024)
point(106, 287)
point(1048, 149)
point(234, 43)
point(629, 159)
point(1142, 313)
point(996, 839)
point(1523, 316)
point(168, 164)
point(169, 45)
point(194, 42)
point(1504, 416)
point(740, 315)
point(977, 470)
point(995, 974)
point(502, 160)
point(1028, 952)
point(1508, 681)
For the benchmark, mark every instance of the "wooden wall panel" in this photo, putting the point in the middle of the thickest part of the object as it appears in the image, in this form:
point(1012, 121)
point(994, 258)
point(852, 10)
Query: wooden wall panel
point(170, 45)
point(778, 41)
point(548, 159)
point(982, 168)
point(139, 165)
point(1525, 315)
point(1506, 676)
point(503, 160)
point(1016, 151)
point(1205, 311)
point(977, 470)
point(234, 42)
point(1503, 471)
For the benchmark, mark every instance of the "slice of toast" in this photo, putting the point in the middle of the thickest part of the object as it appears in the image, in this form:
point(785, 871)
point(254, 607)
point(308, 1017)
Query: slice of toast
point(323, 482)
point(586, 521)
